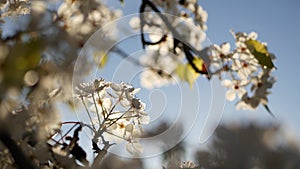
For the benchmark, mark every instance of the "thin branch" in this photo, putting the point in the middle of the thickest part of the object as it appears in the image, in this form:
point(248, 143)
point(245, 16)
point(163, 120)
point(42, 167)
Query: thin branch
point(116, 119)
point(162, 39)
point(87, 111)
point(95, 104)
point(142, 22)
point(68, 131)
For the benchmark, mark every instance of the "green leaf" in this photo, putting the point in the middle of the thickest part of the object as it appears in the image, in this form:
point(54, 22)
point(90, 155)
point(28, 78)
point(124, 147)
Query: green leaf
point(260, 52)
point(186, 73)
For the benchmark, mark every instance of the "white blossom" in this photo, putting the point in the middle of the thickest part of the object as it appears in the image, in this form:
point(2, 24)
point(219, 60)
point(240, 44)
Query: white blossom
point(235, 88)
point(115, 112)
point(82, 18)
point(134, 147)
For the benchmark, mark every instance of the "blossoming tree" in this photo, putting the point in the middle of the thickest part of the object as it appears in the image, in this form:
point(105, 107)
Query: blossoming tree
point(40, 42)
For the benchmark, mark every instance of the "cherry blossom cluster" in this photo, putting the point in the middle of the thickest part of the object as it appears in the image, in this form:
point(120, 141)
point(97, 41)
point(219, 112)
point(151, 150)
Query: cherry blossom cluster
point(188, 9)
point(246, 78)
point(164, 49)
point(84, 17)
point(115, 113)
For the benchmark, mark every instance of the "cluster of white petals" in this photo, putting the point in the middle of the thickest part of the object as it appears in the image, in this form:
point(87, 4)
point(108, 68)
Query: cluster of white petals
point(160, 72)
point(184, 8)
point(115, 112)
point(84, 17)
point(246, 79)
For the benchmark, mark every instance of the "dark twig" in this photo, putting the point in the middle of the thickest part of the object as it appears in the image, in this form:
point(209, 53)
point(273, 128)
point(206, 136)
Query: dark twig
point(156, 43)
point(142, 22)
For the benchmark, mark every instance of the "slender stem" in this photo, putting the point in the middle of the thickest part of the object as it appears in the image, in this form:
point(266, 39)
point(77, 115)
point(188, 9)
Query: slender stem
point(88, 112)
point(115, 120)
point(56, 142)
point(117, 102)
point(95, 104)
point(70, 122)
point(142, 22)
point(88, 126)
point(111, 110)
point(68, 132)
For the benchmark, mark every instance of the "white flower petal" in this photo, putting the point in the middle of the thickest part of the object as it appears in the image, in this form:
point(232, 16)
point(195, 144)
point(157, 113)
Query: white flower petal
point(134, 148)
point(77, 20)
point(241, 92)
point(252, 35)
point(135, 91)
point(107, 103)
point(226, 83)
point(116, 87)
point(225, 47)
point(129, 128)
point(144, 120)
point(92, 108)
point(113, 126)
point(230, 95)
point(135, 22)
point(242, 74)
point(242, 106)
point(125, 103)
point(62, 9)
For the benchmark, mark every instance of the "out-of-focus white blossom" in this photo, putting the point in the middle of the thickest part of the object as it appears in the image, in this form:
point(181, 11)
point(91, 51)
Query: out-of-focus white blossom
point(134, 147)
point(135, 23)
point(161, 59)
point(14, 8)
point(187, 164)
point(84, 17)
point(161, 67)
